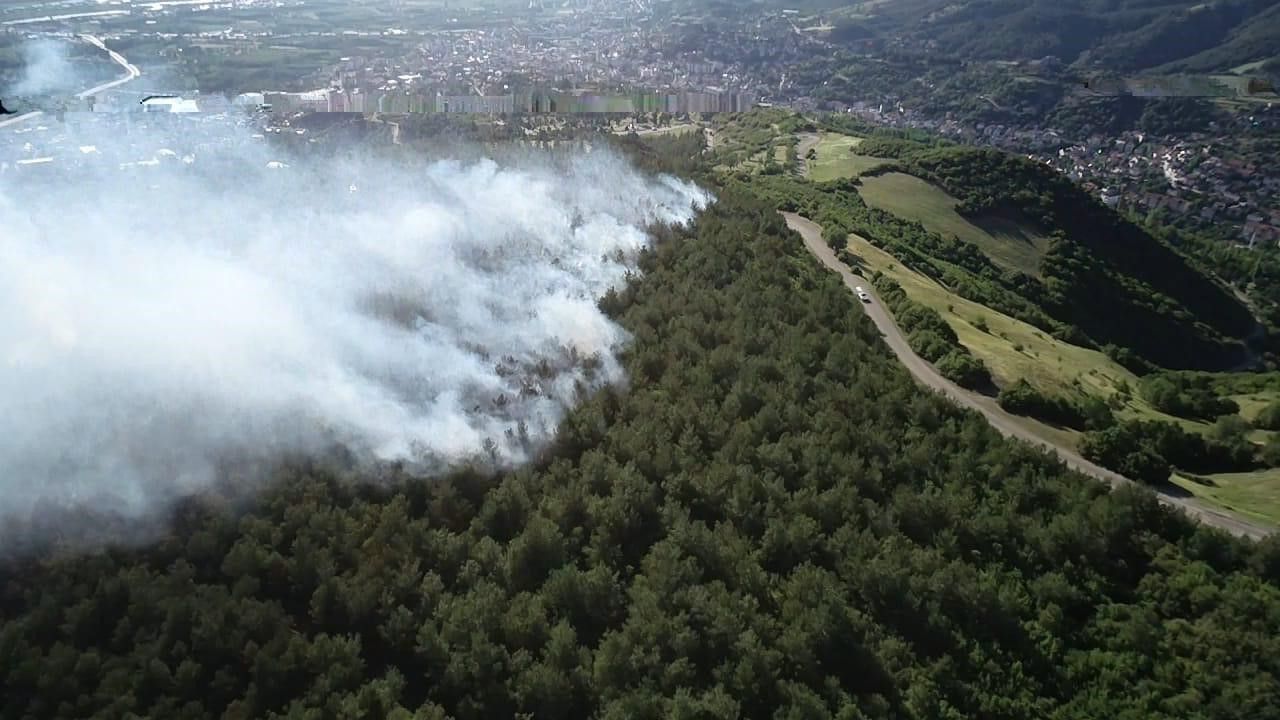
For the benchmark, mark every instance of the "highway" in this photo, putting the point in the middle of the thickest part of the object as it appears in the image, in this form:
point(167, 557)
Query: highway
point(1007, 424)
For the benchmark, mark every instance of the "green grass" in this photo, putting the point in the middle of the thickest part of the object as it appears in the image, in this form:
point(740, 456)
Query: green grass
point(835, 158)
point(1252, 494)
point(1252, 403)
point(1013, 349)
point(909, 197)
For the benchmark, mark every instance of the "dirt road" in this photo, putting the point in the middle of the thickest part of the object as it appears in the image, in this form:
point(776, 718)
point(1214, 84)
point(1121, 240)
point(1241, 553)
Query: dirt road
point(1002, 421)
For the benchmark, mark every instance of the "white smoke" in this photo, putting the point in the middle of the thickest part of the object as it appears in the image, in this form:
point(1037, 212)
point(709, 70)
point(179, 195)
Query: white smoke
point(46, 69)
point(157, 318)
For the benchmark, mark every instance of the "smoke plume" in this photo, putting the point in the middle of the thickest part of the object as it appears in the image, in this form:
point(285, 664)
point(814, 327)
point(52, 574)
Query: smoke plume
point(46, 69)
point(183, 295)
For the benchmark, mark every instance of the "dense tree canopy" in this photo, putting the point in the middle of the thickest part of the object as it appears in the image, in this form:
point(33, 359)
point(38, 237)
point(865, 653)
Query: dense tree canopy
point(771, 520)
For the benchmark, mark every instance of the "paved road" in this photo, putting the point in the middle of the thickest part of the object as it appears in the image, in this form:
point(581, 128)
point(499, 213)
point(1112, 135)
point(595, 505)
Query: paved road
point(1002, 421)
point(131, 70)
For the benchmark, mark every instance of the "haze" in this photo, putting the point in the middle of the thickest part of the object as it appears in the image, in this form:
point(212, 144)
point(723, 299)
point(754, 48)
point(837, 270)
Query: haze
point(156, 319)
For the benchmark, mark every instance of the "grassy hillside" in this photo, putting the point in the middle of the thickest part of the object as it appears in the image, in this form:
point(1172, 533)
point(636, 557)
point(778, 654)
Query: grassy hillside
point(1014, 350)
point(1014, 235)
point(836, 156)
point(1253, 494)
point(1007, 242)
point(1101, 274)
point(1105, 283)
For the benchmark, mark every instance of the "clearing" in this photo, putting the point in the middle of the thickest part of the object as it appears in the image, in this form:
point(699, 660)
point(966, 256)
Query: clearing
point(1004, 241)
point(835, 158)
point(1250, 494)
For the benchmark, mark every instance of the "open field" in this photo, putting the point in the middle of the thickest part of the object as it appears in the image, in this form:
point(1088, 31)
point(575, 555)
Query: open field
point(909, 197)
point(835, 158)
point(1252, 403)
point(1251, 494)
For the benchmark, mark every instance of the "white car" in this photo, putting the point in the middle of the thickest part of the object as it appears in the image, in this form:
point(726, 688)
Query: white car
point(862, 294)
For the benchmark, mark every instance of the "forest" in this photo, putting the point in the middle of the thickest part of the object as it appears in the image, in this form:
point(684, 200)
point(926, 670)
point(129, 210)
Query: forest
point(770, 520)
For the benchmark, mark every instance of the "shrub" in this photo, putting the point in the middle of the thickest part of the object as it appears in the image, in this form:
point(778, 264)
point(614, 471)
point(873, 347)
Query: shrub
point(1113, 447)
point(1023, 399)
point(1269, 417)
point(1270, 453)
point(1173, 395)
point(964, 370)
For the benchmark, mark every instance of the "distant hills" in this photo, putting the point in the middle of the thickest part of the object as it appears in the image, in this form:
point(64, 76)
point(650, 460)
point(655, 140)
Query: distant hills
point(1117, 35)
point(1123, 36)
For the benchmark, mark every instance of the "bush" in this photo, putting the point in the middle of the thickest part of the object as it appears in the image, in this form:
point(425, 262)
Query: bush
point(1097, 413)
point(1269, 417)
point(965, 370)
point(835, 235)
point(1270, 453)
point(1126, 445)
point(929, 345)
point(1175, 395)
point(1229, 429)
point(1125, 449)
point(1023, 399)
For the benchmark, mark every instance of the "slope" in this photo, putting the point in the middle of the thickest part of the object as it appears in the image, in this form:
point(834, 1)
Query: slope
point(1102, 275)
point(1120, 35)
point(772, 521)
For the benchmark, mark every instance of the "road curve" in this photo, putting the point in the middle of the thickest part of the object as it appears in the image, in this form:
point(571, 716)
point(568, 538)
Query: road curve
point(131, 70)
point(1002, 421)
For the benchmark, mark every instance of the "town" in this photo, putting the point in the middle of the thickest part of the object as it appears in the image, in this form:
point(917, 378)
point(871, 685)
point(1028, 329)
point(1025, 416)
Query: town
point(621, 57)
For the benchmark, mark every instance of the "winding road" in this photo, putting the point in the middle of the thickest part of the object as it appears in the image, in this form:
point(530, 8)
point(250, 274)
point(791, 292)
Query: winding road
point(131, 70)
point(1006, 424)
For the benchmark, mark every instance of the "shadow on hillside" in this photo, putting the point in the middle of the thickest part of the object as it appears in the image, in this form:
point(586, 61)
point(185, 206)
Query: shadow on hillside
point(1174, 490)
point(1000, 226)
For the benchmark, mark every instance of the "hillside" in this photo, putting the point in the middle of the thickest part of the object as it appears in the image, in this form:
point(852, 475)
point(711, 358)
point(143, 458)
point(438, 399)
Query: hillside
point(1025, 241)
point(1119, 35)
point(1102, 274)
point(1014, 283)
point(1041, 63)
point(772, 520)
